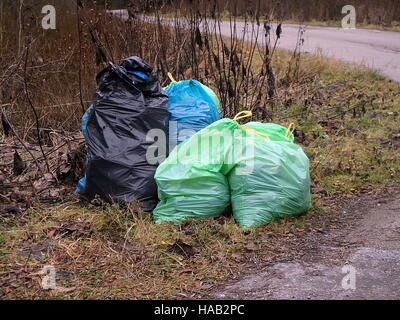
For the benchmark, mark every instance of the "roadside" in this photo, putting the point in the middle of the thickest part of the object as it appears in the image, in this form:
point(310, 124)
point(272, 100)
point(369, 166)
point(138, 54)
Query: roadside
point(347, 122)
point(364, 239)
point(373, 49)
point(377, 50)
point(393, 27)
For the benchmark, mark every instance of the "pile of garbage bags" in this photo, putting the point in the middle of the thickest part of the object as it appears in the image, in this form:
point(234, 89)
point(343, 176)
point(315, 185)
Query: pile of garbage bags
point(211, 165)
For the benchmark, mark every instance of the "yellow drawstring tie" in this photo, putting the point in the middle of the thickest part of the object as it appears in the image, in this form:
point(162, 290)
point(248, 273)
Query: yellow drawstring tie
point(242, 114)
point(246, 114)
point(290, 130)
point(262, 135)
point(169, 74)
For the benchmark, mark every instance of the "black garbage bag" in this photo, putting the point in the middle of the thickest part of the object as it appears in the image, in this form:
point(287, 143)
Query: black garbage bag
point(128, 102)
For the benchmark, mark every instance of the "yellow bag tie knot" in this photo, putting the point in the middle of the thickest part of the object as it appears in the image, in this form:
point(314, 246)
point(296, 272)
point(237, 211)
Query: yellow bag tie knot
point(246, 114)
point(242, 114)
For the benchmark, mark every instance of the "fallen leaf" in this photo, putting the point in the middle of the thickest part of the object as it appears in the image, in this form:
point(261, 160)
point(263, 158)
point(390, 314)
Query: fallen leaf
point(51, 232)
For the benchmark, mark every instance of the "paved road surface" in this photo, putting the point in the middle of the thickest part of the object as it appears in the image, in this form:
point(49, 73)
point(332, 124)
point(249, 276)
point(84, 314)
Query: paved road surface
point(379, 50)
point(372, 248)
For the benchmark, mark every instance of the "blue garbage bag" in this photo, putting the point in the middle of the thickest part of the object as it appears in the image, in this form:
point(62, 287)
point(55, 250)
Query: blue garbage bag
point(192, 106)
point(85, 118)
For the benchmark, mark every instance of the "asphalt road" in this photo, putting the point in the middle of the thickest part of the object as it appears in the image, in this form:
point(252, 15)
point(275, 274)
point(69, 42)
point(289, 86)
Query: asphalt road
point(378, 50)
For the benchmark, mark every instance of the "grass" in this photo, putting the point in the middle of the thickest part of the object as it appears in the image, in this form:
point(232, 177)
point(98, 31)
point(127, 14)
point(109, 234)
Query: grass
point(348, 118)
point(394, 26)
point(144, 262)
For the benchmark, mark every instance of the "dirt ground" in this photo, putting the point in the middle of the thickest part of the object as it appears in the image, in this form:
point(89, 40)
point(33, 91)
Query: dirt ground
point(362, 238)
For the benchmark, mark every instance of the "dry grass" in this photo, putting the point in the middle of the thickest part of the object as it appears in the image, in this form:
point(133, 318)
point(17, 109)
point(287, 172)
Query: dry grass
point(57, 68)
point(392, 26)
point(126, 255)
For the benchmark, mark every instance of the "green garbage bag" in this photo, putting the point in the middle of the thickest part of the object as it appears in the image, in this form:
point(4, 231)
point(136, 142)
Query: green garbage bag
point(192, 182)
point(277, 181)
point(256, 168)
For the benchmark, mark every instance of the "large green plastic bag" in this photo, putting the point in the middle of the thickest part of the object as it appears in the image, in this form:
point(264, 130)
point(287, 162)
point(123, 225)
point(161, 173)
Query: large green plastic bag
point(192, 181)
point(276, 183)
point(258, 165)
